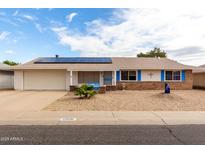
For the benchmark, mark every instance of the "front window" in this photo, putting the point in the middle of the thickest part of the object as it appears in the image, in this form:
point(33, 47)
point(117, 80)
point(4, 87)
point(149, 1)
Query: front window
point(124, 75)
point(128, 75)
point(168, 75)
point(132, 75)
point(176, 75)
point(173, 75)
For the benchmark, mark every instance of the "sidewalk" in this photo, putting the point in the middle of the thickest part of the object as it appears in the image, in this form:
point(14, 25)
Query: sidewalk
point(102, 118)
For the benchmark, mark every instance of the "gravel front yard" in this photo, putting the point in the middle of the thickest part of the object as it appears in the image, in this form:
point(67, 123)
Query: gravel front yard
point(146, 100)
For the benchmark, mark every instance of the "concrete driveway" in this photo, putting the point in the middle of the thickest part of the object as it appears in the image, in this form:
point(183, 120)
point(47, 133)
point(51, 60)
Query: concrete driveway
point(27, 100)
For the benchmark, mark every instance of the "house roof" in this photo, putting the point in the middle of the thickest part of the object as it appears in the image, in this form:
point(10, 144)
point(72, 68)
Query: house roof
point(117, 63)
point(4, 67)
point(200, 69)
point(202, 66)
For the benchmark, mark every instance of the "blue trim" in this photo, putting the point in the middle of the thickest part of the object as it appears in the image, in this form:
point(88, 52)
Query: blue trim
point(118, 75)
point(162, 75)
point(183, 75)
point(139, 75)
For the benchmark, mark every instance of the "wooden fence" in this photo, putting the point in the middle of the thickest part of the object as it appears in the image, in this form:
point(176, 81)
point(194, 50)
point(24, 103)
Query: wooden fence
point(199, 80)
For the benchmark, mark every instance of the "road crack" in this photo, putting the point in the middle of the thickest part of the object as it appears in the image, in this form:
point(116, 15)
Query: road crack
point(166, 126)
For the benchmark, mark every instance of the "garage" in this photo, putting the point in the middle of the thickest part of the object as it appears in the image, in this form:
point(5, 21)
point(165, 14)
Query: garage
point(6, 77)
point(44, 80)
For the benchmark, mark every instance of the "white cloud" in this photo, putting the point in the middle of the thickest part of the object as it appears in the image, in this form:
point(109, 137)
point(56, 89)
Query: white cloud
point(15, 13)
point(20, 20)
point(54, 23)
point(29, 17)
point(8, 21)
point(9, 52)
point(130, 31)
point(71, 16)
point(40, 28)
point(4, 35)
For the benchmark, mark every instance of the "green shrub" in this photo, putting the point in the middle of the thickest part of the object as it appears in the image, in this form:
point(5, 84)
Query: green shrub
point(85, 91)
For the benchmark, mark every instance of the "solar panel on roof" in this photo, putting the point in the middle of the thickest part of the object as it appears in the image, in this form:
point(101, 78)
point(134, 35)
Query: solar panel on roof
point(64, 60)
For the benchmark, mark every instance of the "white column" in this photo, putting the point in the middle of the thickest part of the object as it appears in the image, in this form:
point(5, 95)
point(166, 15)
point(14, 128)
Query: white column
point(18, 80)
point(101, 79)
point(71, 78)
point(113, 77)
point(75, 78)
point(67, 80)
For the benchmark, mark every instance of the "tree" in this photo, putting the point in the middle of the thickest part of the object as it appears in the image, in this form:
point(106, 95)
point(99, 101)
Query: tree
point(156, 52)
point(11, 63)
point(85, 91)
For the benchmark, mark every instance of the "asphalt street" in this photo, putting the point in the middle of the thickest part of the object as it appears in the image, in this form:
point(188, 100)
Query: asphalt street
point(101, 134)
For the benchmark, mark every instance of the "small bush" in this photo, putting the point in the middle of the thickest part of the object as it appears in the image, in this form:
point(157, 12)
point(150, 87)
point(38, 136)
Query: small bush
point(85, 91)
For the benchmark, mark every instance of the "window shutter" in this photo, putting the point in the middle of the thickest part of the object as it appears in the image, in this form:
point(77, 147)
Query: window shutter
point(118, 75)
point(162, 75)
point(183, 75)
point(139, 75)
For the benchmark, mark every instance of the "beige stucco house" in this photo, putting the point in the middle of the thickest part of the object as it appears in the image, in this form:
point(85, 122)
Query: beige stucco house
point(63, 73)
point(6, 77)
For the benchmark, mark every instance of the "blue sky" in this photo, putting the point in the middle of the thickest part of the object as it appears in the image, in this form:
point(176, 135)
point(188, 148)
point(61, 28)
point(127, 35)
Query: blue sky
point(29, 33)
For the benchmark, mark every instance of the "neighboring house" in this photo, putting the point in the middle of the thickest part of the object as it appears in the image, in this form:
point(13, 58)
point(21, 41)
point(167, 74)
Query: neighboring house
point(6, 77)
point(62, 73)
point(199, 77)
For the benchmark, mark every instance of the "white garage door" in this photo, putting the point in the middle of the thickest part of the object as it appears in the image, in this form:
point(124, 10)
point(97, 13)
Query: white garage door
point(6, 80)
point(45, 80)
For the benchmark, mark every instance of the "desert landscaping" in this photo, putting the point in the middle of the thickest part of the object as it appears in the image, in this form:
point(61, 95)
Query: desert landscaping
point(133, 100)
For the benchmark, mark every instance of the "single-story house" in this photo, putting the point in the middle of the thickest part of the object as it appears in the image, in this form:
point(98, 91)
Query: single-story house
point(6, 77)
point(64, 73)
point(199, 77)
